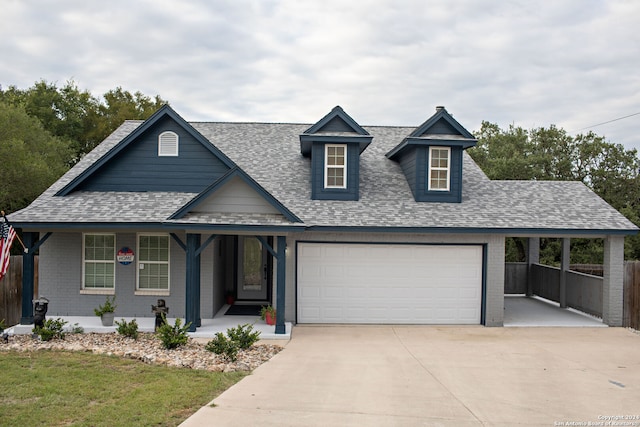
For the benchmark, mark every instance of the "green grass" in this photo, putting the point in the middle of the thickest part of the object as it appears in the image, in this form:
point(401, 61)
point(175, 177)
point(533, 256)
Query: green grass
point(56, 388)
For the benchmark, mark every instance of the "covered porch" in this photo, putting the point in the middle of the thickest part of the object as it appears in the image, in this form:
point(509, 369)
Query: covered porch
point(209, 327)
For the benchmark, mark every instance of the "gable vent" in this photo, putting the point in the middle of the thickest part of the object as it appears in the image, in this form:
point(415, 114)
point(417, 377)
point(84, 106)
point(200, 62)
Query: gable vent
point(168, 144)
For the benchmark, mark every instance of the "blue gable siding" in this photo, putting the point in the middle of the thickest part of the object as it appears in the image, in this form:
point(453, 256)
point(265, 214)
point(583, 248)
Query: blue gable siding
point(337, 124)
point(318, 192)
point(139, 168)
point(442, 127)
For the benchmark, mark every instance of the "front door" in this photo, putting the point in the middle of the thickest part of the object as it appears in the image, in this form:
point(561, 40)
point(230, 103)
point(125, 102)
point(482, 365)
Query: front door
point(253, 271)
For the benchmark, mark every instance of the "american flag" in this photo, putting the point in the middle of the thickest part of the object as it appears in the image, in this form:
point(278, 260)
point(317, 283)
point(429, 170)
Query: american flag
point(7, 234)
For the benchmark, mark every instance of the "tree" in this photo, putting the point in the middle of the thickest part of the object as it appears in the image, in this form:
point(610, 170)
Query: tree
point(78, 117)
point(550, 153)
point(30, 157)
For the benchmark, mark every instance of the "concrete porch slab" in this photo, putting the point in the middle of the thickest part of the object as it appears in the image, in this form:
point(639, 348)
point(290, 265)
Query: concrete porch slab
point(220, 323)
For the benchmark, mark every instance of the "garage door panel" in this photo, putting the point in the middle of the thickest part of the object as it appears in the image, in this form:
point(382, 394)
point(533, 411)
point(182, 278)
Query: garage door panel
point(369, 283)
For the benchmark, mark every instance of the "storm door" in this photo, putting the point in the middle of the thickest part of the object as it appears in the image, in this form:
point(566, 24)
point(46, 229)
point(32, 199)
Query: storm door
point(253, 270)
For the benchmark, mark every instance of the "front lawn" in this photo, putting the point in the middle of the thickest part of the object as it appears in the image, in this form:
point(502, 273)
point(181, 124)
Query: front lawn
point(60, 388)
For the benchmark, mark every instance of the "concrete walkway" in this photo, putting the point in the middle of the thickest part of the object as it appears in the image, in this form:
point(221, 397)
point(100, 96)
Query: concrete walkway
point(437, 376)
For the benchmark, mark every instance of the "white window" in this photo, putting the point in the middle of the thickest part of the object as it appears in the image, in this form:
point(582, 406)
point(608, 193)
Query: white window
point(168, 144)
point(98, 266)
point(439, 167)
point(335, 166)
point(153, 264)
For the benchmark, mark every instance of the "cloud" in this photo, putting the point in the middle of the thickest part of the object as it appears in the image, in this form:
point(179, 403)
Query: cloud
point(532, 63)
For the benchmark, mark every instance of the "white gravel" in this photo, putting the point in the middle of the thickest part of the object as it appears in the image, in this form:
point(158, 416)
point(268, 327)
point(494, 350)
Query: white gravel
point(148, 349)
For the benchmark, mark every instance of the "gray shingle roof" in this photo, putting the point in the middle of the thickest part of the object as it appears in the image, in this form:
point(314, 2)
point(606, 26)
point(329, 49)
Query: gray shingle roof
point(270, 154)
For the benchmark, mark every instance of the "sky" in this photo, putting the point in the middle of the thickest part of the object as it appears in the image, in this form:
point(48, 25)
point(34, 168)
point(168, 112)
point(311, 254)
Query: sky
point(574, 64)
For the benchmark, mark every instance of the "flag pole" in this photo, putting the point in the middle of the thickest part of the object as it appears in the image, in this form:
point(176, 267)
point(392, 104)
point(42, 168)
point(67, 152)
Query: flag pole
point(24, 248)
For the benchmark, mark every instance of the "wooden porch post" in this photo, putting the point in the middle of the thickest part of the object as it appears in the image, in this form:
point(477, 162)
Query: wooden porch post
point(280, 285)
point(28, 278)
point(192, 285)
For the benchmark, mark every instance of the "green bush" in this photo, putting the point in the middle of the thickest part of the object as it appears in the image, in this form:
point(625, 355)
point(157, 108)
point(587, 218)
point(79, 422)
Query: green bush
point(173, 336)
point(128, 329)
point(224, 346)
point(77, 329)
point(52, 328)
point(239, 338)
point(244, 336)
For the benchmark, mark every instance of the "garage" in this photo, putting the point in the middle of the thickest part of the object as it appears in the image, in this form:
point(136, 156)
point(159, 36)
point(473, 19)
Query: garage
point(389, 283)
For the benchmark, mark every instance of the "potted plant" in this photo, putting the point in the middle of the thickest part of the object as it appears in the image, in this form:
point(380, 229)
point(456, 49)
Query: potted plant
point(105, 311)
point(268, 314)
point(230, 298)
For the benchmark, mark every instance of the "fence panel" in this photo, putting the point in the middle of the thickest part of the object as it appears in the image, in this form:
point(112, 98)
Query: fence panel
point(11, 291)
point(631, 313)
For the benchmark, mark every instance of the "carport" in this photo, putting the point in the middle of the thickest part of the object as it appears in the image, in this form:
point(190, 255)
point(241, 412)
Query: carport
point(542, 295)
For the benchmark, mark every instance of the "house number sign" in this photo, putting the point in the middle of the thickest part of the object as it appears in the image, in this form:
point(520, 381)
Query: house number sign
point(125, 256)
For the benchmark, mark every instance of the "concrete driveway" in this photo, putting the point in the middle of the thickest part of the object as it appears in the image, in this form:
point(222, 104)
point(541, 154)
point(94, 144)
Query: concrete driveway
point(439, 376)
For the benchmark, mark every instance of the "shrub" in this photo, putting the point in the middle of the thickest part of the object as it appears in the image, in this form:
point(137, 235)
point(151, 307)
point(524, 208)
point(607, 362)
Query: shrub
point(50, 329)
point(239, 338)
point(224, 346)
point(128, 329)
point(244, 336)
point(173, 336)
point(76, 329)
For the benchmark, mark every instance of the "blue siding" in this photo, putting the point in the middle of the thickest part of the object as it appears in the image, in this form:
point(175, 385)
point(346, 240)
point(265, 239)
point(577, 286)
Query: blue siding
point(442, 127)
point(337, 124)
point(139, 168)
point(408, 162)
point(454, 195)
point(318, 192)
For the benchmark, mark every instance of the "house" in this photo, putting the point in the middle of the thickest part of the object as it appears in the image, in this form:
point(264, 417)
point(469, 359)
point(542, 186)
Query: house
point(331, 223)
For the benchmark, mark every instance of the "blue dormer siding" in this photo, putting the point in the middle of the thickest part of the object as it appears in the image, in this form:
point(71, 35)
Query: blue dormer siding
point(336, 129)
point(441, 133)
point(423, 194)
point(318, 190)
point(139, 167)
point(414, 163)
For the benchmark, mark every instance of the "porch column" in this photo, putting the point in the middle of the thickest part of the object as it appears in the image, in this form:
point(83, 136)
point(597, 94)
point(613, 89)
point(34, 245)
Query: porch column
point(564, 270)
point(613, 283)
point(280, 284)
point(533, 257)
point(494, 284)
point(192, 285)
point(28, 278)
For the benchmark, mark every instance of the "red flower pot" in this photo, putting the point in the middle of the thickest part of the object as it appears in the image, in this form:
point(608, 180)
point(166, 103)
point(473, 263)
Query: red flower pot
point(270, 318)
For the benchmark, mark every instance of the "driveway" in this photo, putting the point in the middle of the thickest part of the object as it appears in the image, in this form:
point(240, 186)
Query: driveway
point(438, 376)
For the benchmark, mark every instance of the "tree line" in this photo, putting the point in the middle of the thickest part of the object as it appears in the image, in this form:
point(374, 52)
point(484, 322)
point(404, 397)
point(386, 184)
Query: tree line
point(46, 129)
point(550, 153)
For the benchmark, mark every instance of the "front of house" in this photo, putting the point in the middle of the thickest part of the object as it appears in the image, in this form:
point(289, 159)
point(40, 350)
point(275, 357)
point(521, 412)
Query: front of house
point(330, 223)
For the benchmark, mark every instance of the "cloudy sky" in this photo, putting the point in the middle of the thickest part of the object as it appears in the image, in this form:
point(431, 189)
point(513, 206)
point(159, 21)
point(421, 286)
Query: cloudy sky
point(574, 63)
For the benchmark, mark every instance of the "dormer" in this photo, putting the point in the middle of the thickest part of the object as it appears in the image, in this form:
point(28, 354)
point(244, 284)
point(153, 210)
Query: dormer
point(334, 145)
point(431, 158)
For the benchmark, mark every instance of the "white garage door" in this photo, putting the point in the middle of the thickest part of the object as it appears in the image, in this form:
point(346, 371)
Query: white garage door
point(389, 284)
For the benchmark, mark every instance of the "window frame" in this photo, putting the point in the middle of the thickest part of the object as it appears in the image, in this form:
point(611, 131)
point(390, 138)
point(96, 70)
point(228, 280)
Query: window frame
point(432, 168)
point(139, 261)
point(168, 148)
point(97, 290)
point(342, 167)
